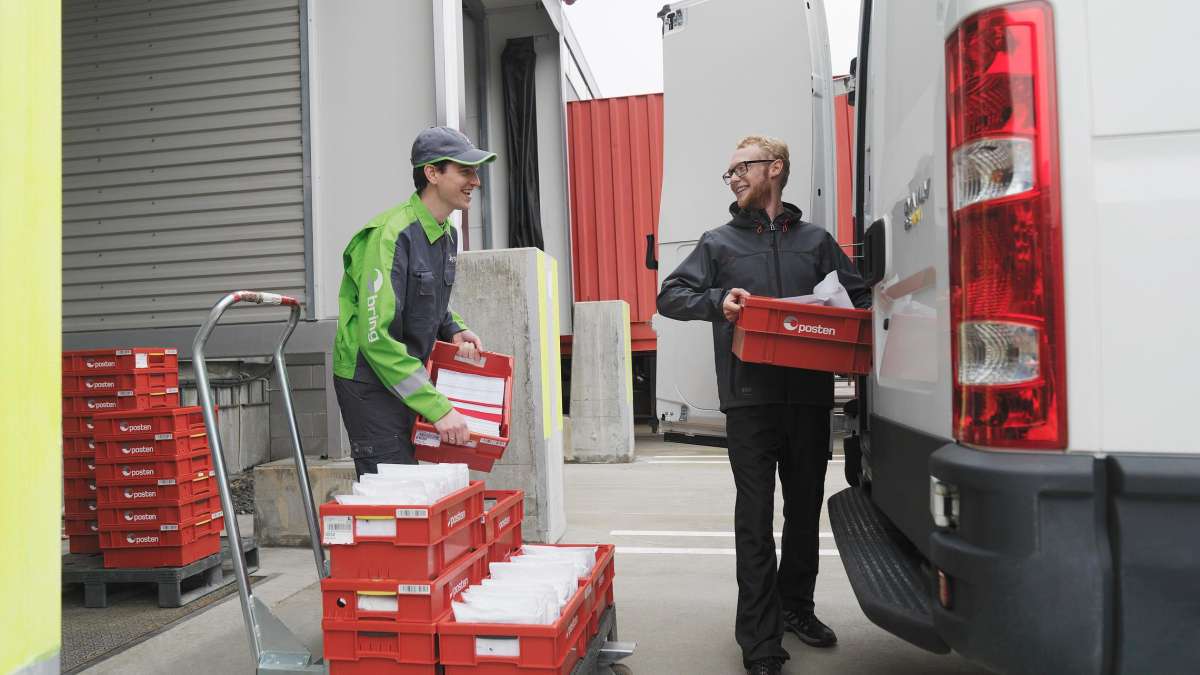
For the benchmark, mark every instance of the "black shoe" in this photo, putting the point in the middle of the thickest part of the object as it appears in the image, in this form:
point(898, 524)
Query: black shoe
point(772, 665)
point(809, 629)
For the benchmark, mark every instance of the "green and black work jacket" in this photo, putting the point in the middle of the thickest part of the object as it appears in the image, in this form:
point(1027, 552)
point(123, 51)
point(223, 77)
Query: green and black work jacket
point(394, 303)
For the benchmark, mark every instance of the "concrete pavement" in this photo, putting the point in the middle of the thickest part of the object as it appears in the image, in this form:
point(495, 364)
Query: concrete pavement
point(671, 515)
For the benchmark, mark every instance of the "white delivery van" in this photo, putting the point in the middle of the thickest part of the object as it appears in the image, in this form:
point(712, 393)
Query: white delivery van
point(732, 68)
point(1026, 481)
point(1026, 189)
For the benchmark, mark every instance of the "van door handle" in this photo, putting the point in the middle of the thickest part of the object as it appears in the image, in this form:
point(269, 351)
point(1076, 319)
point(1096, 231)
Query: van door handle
point(651, 262)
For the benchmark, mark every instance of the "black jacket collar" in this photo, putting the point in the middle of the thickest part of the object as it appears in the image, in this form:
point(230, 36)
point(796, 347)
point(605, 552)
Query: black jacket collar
point(757, 218)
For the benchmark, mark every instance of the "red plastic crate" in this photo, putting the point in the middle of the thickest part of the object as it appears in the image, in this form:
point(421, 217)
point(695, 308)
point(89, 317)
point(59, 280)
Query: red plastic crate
point(370, 647)
point(406, 600)
point(164, 556)
point(450, 454)
point(503, 546)
point(153, 448)
point(79, 467)
point(152, 517)
point(402, 541)
point(167, 535)
point(81, 508)
point(83, 525)
point(80, 488)
point(84, 543)
point(79, 446)
point(598, 588)
point(487, 648)
point(76, 426)
point(162, 472)
point(144, 382)
point(93, 404)
point(115, 426)
point(481, 447)
point(155, 495)
point(120, 360)
point(795, 335)
point(502, 509)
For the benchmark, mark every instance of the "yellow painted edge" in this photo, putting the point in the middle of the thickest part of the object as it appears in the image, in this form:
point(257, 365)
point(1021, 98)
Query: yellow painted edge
point(556, 345)
point(377, 593)
point(543, 329)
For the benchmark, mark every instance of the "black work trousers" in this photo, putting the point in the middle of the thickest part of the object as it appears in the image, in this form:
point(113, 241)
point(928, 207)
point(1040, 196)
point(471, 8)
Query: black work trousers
point(793, 440)
point(378, 423)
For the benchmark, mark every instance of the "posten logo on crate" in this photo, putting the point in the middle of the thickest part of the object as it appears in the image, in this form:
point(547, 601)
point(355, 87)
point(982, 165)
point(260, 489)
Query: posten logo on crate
point(137, 449)
point(125, 426)
point(133, 473)
point(134, 517)
point(93, 404)
point(131, 493)
point(130, 539)
point(99, 384)
point(93, 364)
point(455, 519)
point(791, 323)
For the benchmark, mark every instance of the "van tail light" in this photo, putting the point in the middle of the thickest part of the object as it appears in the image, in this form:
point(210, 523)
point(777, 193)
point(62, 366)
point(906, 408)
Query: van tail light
point(1006, 284)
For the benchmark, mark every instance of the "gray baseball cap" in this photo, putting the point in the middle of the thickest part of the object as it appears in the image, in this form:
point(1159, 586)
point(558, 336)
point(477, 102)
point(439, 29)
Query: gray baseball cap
point(436, 144)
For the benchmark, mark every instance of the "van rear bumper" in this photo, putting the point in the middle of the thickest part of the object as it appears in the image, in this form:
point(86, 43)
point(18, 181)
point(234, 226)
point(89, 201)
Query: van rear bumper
point(1071, 563)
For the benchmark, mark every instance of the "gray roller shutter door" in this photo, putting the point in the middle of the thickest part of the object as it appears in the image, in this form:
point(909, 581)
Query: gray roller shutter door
point(182, 159)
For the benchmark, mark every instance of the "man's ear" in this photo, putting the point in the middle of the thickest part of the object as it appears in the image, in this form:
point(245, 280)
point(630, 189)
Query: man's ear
point(431, 173)
point(776, 169)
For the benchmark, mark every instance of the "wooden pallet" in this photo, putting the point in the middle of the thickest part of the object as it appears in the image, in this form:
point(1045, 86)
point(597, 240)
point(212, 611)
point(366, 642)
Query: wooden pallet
point(89, 570)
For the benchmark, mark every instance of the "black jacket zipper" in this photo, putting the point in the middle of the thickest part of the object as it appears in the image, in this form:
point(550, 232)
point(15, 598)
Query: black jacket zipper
point(775, 250)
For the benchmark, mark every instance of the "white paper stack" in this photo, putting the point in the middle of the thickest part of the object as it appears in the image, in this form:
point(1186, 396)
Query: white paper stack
point(479, 398)
point(407, 484)
point(528, 589)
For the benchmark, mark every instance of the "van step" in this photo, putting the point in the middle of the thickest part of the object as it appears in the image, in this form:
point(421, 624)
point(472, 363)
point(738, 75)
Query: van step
point(884, 569)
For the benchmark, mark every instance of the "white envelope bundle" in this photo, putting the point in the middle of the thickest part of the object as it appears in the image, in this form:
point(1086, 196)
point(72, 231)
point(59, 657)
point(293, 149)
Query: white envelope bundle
point(407, 484)
point(829, 292)
point(528, 589)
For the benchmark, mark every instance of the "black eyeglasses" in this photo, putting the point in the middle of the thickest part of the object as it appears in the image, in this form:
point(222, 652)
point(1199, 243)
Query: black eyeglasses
point(741, 168)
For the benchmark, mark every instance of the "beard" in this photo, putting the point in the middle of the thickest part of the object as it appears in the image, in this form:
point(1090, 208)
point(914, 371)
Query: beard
point(755, 197)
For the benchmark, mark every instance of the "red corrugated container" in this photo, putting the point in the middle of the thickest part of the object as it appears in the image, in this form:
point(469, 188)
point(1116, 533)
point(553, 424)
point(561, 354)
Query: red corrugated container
point(80, 488)
point(79, 446)
point(94, 404)
point(153, 517)
point(153, 448)
point(160, 473)
point(615, 150)
point(405, 600)
point(119, 360)
point(481, 452)
point(795, 335)
point(515, 649)
point(82, 525)
point(380, 647)
point(110, 383)
point(155, 495)
point(82, 507)
point(115, 426)
point(86, 543)
point(79, 467)
point(502, 522)
point(165, 556)
point(78, 426)
point(403, 541)
point(166, 536)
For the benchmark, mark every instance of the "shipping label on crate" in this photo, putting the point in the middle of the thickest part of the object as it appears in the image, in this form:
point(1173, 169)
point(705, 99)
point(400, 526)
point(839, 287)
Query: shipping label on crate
point(338, 530)
point(412, 513)
point(414, 589)
point(375, 526)
point(492, 441)
point(497, 646)
point(427, 438)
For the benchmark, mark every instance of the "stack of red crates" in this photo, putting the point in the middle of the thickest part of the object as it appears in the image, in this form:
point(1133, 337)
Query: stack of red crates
point(393, 573)
point(93, 382)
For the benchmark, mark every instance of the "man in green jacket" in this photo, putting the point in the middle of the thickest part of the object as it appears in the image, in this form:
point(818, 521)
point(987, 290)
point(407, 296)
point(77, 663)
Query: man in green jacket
point(394, 303)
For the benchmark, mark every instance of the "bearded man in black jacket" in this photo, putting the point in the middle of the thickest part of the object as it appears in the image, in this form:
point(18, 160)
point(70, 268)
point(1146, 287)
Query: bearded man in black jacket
point(776, 418)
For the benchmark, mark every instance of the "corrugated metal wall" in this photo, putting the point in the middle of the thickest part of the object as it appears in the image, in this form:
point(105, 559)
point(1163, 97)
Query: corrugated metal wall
point(182, 159)
point(616, 165)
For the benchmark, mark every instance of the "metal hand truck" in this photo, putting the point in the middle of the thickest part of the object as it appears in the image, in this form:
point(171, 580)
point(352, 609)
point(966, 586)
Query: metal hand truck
point(275, 648)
